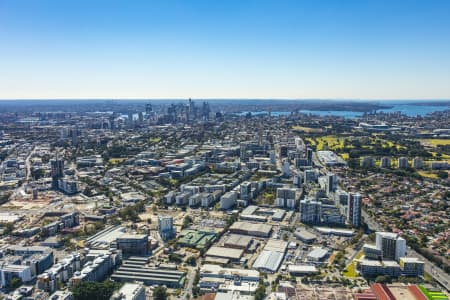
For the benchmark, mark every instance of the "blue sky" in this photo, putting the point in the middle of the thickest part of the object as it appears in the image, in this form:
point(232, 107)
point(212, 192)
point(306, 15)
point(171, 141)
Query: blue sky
point(336, 49)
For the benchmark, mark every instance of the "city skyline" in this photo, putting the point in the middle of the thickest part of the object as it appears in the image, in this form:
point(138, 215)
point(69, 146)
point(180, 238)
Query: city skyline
point(368, 50)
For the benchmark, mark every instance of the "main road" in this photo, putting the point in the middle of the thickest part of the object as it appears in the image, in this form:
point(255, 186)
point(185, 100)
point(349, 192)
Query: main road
point(437, 273)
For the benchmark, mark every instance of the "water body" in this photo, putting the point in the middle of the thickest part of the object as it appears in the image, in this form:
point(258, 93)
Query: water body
point(409, 109)
point(414, 110)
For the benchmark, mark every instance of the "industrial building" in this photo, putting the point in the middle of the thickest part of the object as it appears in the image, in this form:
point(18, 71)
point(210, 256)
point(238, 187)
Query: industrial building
point(136, 244)
point(270, 258)
point(227, 253)
point(318, 255)
point(130, 291)
point(253, 229)
point(237, 241)
point(134, 269)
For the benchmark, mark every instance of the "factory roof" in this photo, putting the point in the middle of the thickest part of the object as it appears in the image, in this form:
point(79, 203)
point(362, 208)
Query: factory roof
point(225, 252)
point(215, 269)
point(268, 260)
point(276, 245)
point(302, 269)
point(238, 240)
point(318, 253)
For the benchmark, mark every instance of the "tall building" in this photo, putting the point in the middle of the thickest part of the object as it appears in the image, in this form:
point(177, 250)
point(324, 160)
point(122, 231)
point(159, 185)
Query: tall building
point(403, 163)
point(309, 175)
point(354, 209)
point(392, 245)
point(130, 119)
point(331, 183)
point(286, 197)
point(165, 227)
point(286, 168)
point(246, 190)
point(417, 163)
point(367, 162)
point(148, 109)
point(57, 166)
point(309, 156)
point(385, 162)
point(310, 211)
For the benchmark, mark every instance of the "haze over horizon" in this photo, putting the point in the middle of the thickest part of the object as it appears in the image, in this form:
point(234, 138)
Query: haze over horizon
point(327, 50)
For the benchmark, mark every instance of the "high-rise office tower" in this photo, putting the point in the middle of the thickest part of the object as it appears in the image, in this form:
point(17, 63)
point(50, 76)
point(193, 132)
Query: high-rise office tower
point(57, 167)
point(309, 156)
point(354, 209)
point(148, 109)
point(331, 183)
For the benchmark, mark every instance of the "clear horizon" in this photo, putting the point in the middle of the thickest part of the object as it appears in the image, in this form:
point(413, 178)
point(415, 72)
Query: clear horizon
point(263, 50)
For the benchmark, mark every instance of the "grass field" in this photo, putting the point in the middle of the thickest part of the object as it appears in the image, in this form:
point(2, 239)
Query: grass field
point(427, 174)
point(333, 142)
point(307, 129)
point(154, 140)
point(350, 270)
point(116, 160)
point(433, 295)
point(434, 142)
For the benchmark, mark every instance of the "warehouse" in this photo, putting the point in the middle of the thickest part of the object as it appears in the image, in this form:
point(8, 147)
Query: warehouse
point(276, 245)
point(228, 273)
point(278, 215)
point(254, 229)
point(317, 255)
point(223, 252)
point(132, 272)
point(305, 236)
point(237, 241)
point(299, 270)
point(268, 261)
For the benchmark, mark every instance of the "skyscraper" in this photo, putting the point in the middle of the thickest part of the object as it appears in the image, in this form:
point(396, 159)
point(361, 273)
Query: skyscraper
point(165, 227)
point(392, 245)
point(310, 211)
point(385, 162)
point(403, 163)
point(354, 209)
point(57, 166)
point(246, 190)
point(309, 156)
point(331, 183)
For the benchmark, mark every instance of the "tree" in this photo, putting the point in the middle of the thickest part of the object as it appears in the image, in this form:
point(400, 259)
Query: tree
point(442, 174)
point(15, 282)
point(260, 293)
point(160, 293)
point(9, 227)
point(187, 221)
point(191, 261)
point(94, 290)
point(383, 279)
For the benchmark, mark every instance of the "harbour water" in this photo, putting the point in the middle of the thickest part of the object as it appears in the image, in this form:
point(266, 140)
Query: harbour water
point(409, 109)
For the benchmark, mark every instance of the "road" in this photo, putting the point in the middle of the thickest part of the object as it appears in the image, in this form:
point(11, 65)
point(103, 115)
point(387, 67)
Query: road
point(188, 290)
point(28, 163)
point(437, 273)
